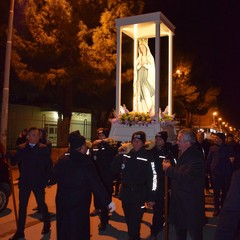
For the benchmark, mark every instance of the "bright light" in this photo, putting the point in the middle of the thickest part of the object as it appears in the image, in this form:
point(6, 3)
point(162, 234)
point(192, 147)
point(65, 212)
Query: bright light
point(214, 113)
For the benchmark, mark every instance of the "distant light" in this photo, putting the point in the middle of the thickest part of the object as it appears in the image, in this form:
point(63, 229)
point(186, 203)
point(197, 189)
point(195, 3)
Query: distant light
point(55, 115)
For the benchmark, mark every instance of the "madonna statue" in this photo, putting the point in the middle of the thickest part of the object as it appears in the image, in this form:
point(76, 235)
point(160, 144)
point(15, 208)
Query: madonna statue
point(144, 84)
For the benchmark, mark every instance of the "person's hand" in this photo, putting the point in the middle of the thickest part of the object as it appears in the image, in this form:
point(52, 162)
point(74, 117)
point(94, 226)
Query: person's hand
point(96, 142)
point(112, 207)
point(232, 159)
point(166, 164)
point(150, 204)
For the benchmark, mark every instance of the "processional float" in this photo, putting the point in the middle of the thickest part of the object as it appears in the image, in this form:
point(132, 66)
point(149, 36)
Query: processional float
point(146, 75)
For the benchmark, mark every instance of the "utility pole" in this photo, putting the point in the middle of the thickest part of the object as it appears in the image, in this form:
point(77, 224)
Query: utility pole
point(5, 96)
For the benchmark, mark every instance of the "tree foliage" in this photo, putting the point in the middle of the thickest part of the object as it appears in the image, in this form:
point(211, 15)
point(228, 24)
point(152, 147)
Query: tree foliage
point(68, 41)
point(192, 100)
point(69, 48)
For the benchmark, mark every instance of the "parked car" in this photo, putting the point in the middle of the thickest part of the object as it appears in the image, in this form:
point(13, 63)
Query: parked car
point(5, 189)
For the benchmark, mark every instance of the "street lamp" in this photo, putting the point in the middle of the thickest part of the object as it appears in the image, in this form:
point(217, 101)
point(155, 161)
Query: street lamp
point(214, 115)
point(220, 123)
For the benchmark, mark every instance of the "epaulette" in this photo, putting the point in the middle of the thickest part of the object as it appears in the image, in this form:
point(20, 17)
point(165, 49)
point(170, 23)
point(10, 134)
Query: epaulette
point(41, 145)
point(23, 145)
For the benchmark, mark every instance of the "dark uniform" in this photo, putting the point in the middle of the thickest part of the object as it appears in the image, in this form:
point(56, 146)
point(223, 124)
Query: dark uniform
point(221, 170)
point(139, 185)
point(158, 210)
point(229, 217)
point(36, 166)
point(103, 154)
point(77, 179)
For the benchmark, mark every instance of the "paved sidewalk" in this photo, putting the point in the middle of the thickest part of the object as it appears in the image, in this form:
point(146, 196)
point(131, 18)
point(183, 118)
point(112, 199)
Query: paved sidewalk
point(116, 229)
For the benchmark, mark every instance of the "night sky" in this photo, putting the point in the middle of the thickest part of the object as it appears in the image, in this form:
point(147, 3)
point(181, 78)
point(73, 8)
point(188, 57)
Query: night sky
point(208, 33)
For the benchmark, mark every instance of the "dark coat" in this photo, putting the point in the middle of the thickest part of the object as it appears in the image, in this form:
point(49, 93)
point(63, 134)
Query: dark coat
point(103, 154)
point(229, 218)
point(218, 159)
point(187, 198)
point(77, 179)
point(36, 165)
point(139, 176)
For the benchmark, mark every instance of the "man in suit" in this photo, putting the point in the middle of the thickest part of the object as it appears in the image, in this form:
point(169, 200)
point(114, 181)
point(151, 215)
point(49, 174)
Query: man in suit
point(35, 172)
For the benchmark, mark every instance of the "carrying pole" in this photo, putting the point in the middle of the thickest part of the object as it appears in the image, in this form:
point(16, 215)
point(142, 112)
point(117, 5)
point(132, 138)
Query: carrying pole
point(12, 190)
point(166, 226)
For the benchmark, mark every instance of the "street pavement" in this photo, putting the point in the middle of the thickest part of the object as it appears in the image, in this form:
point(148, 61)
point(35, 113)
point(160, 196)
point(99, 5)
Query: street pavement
point(115, 230)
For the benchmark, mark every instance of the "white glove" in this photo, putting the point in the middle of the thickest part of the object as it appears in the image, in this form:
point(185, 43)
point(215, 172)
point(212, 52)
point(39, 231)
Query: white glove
point(112, 207)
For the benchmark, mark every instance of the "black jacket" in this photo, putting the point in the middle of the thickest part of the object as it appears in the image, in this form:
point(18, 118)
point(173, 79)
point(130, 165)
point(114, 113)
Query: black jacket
point(36, 165)
point(159, 155)
point(77, 179)
point(139, 176)
point(187, 198)
point(229, 218)
point(102, 155)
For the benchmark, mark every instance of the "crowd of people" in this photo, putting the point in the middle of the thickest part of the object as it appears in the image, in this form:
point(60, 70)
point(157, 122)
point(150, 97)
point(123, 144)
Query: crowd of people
point(144, 170)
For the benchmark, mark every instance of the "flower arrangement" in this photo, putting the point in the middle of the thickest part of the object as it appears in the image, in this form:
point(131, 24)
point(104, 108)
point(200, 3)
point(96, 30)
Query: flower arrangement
point(125, 117)
point(132, 118)
point(167, 120)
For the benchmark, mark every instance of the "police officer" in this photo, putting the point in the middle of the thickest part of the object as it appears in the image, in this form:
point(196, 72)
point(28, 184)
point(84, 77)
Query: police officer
point(139, 183)
point(77, 179)
point(102, 154)
point(161, 150)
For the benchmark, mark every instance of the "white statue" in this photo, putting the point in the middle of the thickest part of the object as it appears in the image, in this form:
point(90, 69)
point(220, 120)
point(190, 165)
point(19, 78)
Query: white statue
point(144, 83)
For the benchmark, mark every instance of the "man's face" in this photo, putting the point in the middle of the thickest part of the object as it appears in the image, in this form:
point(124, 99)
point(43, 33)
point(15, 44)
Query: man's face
point(137, 144)
point(159, 142)
point(83, 149)
point(200, 137)
point(230, 140)
point(183, 146)
point(101, 136)
point(218, 140)
point(33, 136)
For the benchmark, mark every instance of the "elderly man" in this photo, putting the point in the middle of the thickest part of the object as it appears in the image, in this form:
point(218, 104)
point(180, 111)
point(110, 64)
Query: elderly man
point(187, 199)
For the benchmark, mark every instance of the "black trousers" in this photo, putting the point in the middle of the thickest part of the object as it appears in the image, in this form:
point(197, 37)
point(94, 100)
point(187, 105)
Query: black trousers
point(158, 215)
point(195, 233)
point(221, 185)
point(133, 212)
point(97, 204)
point(24, 194)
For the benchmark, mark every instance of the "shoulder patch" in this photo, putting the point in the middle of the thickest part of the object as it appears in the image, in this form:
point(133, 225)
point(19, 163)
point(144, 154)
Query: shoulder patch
point(23, 145)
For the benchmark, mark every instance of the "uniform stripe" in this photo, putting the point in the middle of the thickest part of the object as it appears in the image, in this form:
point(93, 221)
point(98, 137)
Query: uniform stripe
point(154, 180)
point(142, 159)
